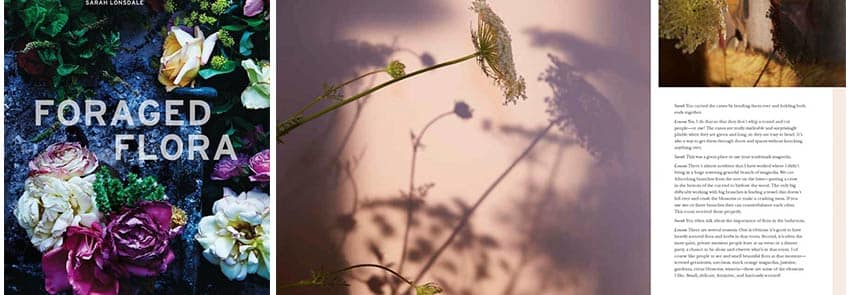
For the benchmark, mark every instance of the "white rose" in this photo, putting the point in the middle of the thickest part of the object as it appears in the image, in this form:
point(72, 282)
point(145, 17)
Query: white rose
point(49, 205)
point(236, 237)
point(257, 94)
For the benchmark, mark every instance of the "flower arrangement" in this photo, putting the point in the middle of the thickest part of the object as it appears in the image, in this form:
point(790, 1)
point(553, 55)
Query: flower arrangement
point(93, 229)
point(104, 230)
point(229, 51)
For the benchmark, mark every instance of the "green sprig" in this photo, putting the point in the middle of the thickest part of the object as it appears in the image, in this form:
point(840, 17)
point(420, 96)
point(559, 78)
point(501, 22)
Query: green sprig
point(112, 193)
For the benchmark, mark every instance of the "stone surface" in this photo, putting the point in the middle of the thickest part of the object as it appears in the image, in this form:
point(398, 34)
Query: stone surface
point(184, 179)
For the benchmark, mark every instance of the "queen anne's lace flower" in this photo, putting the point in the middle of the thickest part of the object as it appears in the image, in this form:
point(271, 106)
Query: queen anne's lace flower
point(236, 237)
point(692, 22)
point(50, 205)
point(493, 41)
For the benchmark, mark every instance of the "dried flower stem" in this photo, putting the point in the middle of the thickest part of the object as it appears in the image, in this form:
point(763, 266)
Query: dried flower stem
point(384, 268)
point(289, 127)
point(417, 143)
point(332, 90)
point(304, 283)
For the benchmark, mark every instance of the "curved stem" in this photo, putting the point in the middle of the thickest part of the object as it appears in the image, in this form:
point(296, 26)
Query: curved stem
point(416, 144)
point(466, 216)
point(324, 95)
point(304, 283)
point(371, 90)
point(384, 268)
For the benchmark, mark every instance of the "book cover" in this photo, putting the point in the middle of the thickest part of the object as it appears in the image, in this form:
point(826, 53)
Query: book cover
point(137, 146)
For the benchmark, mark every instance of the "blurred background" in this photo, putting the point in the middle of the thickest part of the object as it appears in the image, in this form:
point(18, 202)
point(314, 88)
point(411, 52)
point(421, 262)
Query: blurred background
point(570, 215)
point(803, 39)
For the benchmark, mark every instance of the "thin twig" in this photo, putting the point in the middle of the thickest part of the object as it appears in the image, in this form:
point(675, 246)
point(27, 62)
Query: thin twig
point(416, 145)
point(332, 90)
point(387, 269)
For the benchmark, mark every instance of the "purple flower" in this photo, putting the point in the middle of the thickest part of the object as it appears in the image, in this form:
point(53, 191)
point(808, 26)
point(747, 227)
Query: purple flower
point(260, 165)
point(253, 7)
point(136, 240)
point(78, 264)
point(228, 168)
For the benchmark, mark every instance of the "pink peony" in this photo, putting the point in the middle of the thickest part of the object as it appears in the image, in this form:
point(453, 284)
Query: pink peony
point(253, 7)
point(137, 240)
point(228, 168)
point(260, 164)
point(78, 264)
point(64, 160)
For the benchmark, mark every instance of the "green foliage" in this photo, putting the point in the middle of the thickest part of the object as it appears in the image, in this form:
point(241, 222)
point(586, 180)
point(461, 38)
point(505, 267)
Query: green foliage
point(220, 6)
point(225, 38)
point(67, 37)
point(218, 65)
point(112, 193)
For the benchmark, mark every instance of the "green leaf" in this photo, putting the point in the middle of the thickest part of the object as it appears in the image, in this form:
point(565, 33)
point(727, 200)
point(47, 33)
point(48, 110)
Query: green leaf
point(33, 17)
point(111, 193)
point(55, 26)
point(48, 56)
point(86, 17)
point(226, 68)
point(78, 42)
point(87, 53)
point(236, 27)
point(111, 43)
point(74, 6)
point(237, 143)
point(245, 45)
point(254, 22)
point(242, 123)
point(66, 69)
point(220, 108)
point(79, 32)
point(60, 91)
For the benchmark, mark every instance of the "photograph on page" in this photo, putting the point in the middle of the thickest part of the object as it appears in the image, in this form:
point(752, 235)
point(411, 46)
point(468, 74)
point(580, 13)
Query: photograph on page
point(752, 43)
point(463, 147)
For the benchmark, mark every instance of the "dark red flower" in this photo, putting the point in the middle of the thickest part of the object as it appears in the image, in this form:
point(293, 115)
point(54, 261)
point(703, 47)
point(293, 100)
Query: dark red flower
point(30, 63)
point(137, 240)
